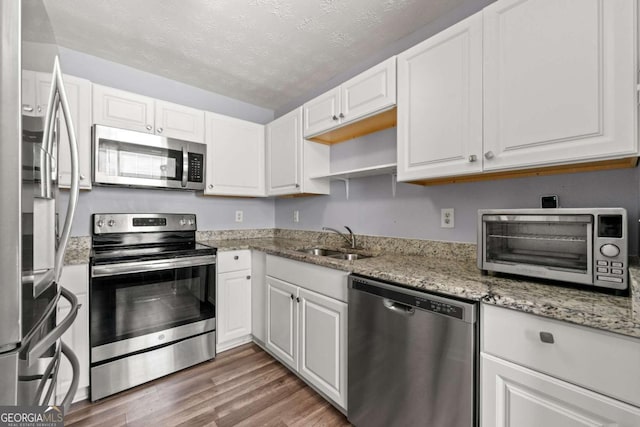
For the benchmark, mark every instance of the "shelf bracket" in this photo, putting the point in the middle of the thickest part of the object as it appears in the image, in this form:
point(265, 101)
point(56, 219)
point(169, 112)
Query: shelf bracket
point(346, 186)
point(394, 184)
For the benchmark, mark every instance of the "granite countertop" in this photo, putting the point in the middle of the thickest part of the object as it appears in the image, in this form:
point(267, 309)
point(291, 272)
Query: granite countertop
point(461, 278)
point(441, 272)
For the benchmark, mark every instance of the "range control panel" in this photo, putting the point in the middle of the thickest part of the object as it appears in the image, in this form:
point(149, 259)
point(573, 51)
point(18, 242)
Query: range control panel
point(142, 223)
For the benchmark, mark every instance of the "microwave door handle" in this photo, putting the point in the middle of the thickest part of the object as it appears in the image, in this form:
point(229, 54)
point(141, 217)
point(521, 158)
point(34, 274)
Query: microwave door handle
point(185, 165)
point(75, 173)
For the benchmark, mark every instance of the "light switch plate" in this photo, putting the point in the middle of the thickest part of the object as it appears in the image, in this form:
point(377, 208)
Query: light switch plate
point(296, 216)
point(239, 216)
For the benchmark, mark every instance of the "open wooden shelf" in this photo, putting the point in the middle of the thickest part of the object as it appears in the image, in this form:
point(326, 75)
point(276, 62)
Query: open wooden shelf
point(389, 168)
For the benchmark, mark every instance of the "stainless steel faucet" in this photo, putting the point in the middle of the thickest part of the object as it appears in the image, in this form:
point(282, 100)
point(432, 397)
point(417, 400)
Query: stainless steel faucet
point(351, 239)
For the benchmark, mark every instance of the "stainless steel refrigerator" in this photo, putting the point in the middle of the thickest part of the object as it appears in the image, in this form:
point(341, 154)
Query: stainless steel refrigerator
point(32, 245)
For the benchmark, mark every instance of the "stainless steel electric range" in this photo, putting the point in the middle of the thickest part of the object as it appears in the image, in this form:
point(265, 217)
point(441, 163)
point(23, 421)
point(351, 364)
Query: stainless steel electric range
point(152, 299)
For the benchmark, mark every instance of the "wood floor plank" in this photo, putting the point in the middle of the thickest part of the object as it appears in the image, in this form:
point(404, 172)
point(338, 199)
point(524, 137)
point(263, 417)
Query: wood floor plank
point(244, 387)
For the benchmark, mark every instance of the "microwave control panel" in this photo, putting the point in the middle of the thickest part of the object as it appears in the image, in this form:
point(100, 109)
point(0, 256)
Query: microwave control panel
point(196, 167)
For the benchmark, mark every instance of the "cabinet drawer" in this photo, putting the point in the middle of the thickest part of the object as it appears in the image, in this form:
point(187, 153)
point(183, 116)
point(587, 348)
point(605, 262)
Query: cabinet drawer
point(234, 261)
point(604, 362)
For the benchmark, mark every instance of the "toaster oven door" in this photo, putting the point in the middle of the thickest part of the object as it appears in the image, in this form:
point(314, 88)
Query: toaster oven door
point(558, 247)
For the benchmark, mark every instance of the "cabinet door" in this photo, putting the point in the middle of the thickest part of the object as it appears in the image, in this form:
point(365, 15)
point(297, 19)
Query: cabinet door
point(125, 110)
point(235, 157)
point(282, 322)
point(284, 144)
point(321, 113)
point(178, 121)
point(323, 344)
point(79, 96)
point(515, 396)
point(369, 92)
point(559, 82)
point(440, 104)
point(76, 279)
point(233, 308)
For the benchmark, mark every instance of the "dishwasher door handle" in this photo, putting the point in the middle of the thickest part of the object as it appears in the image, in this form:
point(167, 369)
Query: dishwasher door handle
point(400, 308)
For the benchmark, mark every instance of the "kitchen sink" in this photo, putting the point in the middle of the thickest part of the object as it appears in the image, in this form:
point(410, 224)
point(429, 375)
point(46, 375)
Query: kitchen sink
point(349, 257)
point(320, 251)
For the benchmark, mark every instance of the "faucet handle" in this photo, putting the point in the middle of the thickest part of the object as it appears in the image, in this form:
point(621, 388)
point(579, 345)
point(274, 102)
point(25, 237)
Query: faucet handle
point(348, 229)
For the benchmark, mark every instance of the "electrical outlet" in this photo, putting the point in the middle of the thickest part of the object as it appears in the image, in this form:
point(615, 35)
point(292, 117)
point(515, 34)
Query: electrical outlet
point(239, 216)
point(447, 218)
point(296, 216)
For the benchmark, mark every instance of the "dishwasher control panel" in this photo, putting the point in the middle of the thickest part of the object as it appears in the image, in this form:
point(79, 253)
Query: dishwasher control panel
point(415, 299)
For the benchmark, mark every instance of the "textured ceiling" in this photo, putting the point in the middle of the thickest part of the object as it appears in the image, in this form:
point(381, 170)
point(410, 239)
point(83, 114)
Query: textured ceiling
point(265, 52)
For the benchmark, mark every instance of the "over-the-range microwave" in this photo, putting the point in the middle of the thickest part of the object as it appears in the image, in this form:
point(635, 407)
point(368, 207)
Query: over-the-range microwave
point(136, 159)
point(582, 246)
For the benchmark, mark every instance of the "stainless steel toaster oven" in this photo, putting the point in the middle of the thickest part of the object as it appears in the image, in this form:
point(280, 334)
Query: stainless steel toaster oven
point(585, 246)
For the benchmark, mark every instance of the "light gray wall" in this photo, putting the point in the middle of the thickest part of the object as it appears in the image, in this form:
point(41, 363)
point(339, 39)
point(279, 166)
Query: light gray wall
point(212, 212)
point(467, 8)
point(120, 76)
point(415, 211)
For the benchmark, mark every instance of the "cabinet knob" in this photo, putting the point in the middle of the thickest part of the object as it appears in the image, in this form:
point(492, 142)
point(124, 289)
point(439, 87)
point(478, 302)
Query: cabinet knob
point(298, 299)
point(297, 185)
point(334, 117)
point(292, 297)
point(546, 337)
point(149, 127)
point(39, 109)
point(159, 130)
point(210, 186)
point(27, 108)
point(473, 158)
point(341, 116)
point(236, 257)
point(489, 155)
point(248, 277)
point(81, 177)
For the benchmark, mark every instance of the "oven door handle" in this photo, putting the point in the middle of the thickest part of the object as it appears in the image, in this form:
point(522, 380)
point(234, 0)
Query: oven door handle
point(147, 266)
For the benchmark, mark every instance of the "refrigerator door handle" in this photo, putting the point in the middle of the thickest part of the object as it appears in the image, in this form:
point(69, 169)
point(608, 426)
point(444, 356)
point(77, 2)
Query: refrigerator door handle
point(50, 373)
point(41, 346)
point(48, 312)
point(75, 367)
point(75, 174)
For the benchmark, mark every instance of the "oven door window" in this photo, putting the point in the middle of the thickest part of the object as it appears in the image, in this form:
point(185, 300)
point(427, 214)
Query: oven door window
point(562, 246)
point(131, 305)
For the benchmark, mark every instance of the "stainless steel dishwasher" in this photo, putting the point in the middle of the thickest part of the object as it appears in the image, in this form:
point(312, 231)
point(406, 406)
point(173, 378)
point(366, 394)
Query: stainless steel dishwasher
point(412, 357)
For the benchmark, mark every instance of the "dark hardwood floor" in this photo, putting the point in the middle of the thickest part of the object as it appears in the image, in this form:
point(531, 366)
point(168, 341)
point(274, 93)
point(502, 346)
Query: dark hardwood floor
point(241, 387)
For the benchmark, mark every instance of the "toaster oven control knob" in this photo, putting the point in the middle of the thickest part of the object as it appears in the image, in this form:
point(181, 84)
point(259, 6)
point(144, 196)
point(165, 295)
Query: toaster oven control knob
point(609, 250)
point(100, 223)
point(111, 223)
point(191, 222)
point(183, 222)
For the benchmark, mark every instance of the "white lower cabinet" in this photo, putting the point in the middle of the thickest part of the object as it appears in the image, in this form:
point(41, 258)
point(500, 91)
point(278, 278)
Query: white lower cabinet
point(307, 329)
point(76, 279)
point(233, 300)
point(542, 372)
point(513, 395)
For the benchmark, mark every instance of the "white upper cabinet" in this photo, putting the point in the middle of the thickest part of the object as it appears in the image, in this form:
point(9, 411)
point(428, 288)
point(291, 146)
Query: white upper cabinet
point(126, 110)
point(321, 113)
point(79, 96)
point(235, 157)
point(440, 104)
point(291, 159)
point(178, 121)
point(559, 82)
point(369, 92)
point(121, 109)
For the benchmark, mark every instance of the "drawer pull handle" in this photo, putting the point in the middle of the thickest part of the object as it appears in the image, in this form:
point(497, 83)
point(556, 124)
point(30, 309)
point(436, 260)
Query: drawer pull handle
point(236, 257)
point(546, 337)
